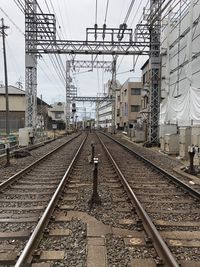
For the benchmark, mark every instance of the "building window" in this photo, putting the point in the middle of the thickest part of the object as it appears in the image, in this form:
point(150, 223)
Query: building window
point(135, 108)
point(125, 109)
point(135, 91)
point(58, 115)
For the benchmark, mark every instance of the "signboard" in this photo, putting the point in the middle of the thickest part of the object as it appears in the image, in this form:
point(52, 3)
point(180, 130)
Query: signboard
point(54, 126)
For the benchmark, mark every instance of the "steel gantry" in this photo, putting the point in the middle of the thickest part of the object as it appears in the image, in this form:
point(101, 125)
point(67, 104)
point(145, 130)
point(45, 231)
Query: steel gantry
point(155, 29)
point(37, 26)
point(41, 39)
point(30, 63)
point(71, 91)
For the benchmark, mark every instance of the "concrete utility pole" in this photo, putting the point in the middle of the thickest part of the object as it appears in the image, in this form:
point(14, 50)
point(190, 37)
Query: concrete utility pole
point(2, 28)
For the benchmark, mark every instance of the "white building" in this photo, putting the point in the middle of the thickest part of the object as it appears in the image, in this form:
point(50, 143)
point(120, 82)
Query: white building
point(104, 109)
point(180, 50)
point(180, 76)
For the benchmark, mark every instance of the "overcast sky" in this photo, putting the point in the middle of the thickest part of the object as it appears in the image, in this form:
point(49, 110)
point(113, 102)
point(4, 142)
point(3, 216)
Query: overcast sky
point(73, 17)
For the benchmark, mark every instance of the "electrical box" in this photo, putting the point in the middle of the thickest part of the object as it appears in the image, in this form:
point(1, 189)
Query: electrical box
point(167, 129)
point(195, 135)
point(25, 136)
point(184, 141)
point(139, 136)
point(171, 143)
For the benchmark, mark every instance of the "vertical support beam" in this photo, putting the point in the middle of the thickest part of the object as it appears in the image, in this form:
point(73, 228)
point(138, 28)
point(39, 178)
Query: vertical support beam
point(97, 114)
point(2, 28)
point(113, 88)
point(155, 28)
point(30, 63)
point(68, 81)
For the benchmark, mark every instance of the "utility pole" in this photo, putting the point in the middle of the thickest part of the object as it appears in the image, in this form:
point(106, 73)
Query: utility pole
point(113, 92)
point(2, 28)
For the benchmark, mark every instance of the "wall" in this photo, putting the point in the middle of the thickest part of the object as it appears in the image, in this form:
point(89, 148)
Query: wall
point(16, 103)
point(180, 93)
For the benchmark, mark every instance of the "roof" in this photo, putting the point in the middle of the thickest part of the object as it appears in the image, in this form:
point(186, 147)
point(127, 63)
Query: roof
point(12, 90)
point(145, 64)
point(59, 106)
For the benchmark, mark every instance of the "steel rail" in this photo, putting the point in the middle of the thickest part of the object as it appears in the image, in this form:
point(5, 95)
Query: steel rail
point(16, 176)
point(35, 237)
point(159, 244)
point(194, 193)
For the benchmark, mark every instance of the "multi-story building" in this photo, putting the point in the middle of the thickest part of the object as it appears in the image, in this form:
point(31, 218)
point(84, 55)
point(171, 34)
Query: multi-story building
point(128, 104)
point(143, 123)
point(57, 114)
point(104, 109)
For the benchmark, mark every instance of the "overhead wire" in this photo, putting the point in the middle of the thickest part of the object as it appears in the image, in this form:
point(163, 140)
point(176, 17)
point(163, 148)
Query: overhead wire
point(61, 33)
point(12, 21)
point(96, 7)
point(22, 8)
point(106, 13)
point(57, 58)
point(136, 13)
point(129, 11)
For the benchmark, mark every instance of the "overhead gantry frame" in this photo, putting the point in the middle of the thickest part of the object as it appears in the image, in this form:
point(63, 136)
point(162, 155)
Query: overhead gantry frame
point(71, 94)
point(40, 35)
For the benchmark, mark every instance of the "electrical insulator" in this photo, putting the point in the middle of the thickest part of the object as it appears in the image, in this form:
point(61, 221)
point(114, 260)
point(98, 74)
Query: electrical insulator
point(73, 107)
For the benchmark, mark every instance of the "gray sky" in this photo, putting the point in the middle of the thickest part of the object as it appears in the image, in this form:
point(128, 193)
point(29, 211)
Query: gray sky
point(73, 17)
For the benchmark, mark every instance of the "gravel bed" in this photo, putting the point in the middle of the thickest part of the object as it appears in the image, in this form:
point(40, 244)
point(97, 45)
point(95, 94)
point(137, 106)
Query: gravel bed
point(19, 244)
point(106, 212)
point(14, 227)
point(74, 245)
point(164, 161)
point(119, 255)
point(20, 163)
point(171, 206)
point(22, 204)
point(189, 253)
point(175, 217)
point(176, 228)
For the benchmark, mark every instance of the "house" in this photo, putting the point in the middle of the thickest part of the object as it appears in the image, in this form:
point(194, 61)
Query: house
point(17, 108)
point(57, 114)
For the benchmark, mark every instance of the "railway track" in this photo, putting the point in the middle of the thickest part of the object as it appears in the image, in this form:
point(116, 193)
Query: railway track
point(25, 195)
point(113, 233)
point(169, 208)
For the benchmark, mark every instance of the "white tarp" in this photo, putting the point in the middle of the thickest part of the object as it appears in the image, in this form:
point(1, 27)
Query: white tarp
point(185, 108)
point(181, 110)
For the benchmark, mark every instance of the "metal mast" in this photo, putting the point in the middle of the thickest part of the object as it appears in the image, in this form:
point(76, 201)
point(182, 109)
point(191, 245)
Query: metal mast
point(113, 92)
point(155, 27)
point(68, 86)
point(30, 63)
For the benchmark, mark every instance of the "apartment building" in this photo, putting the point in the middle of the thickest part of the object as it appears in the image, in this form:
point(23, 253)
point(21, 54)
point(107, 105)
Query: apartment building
point(128, 104)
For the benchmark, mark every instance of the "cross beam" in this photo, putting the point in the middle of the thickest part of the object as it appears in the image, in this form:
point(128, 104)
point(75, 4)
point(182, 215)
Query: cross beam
point(90, 47)
point(91, 99)
point(106, 65)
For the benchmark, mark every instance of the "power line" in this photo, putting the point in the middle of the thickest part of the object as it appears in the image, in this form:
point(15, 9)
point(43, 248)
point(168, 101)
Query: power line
point(22, 8)
point(96, 13)
point(11, 21)
point(129, 11)
point(106, 11)
point(61, 69)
